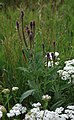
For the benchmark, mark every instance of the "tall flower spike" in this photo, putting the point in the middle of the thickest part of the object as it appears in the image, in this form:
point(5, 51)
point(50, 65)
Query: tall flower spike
point(17, 25)
point(31, 25)
point(22, 14)
point(31, 39)
point(43, 48)
point(48, 55)
point(27, 30)
point(24, 55)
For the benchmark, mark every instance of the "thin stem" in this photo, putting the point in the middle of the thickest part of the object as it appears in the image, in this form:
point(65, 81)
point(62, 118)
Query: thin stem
point(23, 32)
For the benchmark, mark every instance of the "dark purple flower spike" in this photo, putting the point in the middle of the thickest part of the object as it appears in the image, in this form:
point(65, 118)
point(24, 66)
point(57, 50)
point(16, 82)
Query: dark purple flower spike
point(22, 15)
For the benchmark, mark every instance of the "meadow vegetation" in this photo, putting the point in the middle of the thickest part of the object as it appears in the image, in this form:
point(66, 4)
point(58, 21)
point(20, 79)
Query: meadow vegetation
point(28, 32)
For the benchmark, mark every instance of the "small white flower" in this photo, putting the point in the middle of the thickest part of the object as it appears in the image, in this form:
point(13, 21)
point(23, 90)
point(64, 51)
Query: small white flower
point(0, 114)
point(15, 88)
point(35, 110)
point(5, 91)
point(3, 109)
point(59, 110)
point(23, 110)
point(46, 97)
point(11, 114)
point(17, 112)
point(56, 54)
point(36, 104)
point(71, 107)
point(8, 115)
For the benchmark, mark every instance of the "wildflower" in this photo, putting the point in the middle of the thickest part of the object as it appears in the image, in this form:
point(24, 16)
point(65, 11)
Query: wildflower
point(17, 25)
point(3, 109)
point(31, 25)
point(36, 104)
point(43, 48)
point(31, 39)
point(6, 91)
point(10, 114)
point(58, 114)
point(52, 59)
point(23, 110)
point(71, 107)
point(46, 97)
point(60, 72)
point(68, 71)
point(35, 110)
point(27, 30)
point(0, 114)
point(15, 88)
point(22, 14)
point(16, 110)
point(59, 110)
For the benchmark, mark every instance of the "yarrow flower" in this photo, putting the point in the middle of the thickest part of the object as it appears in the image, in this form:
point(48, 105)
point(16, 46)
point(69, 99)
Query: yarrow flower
point(36, 104)
point(15, 88)
point(6, 91)
point(68, 71)
point(58, 114)
point(3, 109)
point(59, 110)
point(46, 97)
point(16, 110)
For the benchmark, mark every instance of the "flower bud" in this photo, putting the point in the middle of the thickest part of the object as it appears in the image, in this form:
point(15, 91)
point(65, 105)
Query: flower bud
point(31, 35)
point(31, 25)
point(6, 91)
point(22, 14)
point(17, 25)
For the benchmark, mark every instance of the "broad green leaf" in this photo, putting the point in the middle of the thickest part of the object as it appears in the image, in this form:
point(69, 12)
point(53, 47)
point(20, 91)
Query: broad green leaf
point(26, 94)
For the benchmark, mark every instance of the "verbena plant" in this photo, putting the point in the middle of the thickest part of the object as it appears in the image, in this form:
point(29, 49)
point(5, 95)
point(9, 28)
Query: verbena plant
point(24, 66)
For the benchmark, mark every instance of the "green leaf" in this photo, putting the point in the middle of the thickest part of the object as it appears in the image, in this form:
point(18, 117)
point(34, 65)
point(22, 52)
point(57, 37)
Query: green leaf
point(26, 94)
point(23, 69)
point(8, 100)
point(57, 104)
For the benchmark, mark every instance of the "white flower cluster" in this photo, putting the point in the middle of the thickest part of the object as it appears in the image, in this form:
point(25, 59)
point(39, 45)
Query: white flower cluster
point(46, 97)
point(36, 104)
point(15, 88)
point(7, 91)
point(58, 114)
point(50, 57)
point(2, 110)
point(16, 110)
point(68, 71)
